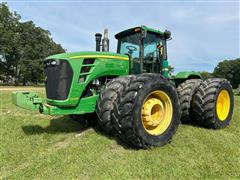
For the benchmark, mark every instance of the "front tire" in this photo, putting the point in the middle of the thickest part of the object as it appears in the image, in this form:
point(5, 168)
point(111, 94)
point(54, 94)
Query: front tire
point(105, 102)
point(148, 112)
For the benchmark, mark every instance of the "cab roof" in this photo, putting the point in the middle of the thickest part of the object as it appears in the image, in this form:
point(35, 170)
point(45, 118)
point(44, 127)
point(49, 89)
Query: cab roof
point(138, 29)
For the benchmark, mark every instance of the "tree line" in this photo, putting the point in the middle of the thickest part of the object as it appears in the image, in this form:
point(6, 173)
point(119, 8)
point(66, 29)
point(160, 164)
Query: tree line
point(229, 69)
point(23, 46)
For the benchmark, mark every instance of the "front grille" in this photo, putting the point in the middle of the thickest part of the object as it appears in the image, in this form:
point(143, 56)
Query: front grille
point(59, 78)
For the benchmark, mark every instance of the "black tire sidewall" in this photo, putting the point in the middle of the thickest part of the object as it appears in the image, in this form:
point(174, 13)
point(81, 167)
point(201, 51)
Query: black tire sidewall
point(219, 123)
point(156, 140)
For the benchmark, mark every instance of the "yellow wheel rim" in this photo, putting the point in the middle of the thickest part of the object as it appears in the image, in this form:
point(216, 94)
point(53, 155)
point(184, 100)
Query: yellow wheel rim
point(223, 105)
point(157, 113)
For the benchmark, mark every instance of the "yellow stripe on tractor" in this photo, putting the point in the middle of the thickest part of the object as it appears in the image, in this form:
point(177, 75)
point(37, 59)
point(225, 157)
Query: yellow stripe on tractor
point(99, 56)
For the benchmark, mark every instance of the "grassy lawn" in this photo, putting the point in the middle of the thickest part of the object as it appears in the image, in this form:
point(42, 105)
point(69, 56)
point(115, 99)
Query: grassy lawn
point(34, 146)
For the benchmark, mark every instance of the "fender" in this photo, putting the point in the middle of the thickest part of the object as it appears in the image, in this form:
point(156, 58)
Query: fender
point(185, 75)
point(188, 75)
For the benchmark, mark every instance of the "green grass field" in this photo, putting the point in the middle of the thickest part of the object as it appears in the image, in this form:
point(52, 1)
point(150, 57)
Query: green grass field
point(34, 146)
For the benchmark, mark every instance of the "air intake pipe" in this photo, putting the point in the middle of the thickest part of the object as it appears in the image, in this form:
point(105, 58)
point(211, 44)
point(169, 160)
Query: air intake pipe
point(105, 41)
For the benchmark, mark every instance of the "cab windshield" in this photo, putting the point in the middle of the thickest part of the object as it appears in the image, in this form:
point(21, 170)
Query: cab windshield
point(130, 45)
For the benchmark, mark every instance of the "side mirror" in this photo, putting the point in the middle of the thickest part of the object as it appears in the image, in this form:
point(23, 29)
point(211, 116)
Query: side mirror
point(167, 34)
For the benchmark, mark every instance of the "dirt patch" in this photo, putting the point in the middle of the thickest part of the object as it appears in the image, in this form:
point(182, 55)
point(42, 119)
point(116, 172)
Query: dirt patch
point(61, 144)
point(20, 88)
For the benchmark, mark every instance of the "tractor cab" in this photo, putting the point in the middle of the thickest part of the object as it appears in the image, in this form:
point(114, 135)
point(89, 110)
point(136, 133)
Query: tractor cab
point(146, 48)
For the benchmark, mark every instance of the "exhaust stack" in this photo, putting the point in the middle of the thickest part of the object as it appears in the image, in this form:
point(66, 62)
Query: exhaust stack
point(98, 37)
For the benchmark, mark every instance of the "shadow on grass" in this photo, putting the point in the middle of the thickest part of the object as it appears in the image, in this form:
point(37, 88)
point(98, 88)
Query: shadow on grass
point(62, 124)
point(66, 124)
point(194, 124)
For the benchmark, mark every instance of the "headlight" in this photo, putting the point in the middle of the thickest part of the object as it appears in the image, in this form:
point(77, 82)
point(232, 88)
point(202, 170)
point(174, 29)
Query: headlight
point(53, 63)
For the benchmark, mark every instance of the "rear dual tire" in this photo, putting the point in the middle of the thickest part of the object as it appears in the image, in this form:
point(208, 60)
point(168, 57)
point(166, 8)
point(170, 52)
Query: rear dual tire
point(186, 92)
point(213, 103)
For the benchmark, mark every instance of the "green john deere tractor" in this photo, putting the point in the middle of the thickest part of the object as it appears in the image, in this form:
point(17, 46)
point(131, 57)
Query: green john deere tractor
point(131, 91)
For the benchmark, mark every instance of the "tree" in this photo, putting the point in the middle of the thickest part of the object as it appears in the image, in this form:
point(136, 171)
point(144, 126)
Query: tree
point(36, 46)
point(206, 74)
point(9, 39)
point(23, 46)
point(229, 69)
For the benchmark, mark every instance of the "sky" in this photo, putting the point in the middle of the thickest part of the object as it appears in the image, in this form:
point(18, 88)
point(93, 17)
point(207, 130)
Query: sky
point(203, 32)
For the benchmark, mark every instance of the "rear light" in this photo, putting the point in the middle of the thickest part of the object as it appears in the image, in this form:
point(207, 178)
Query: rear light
point(137, 29)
